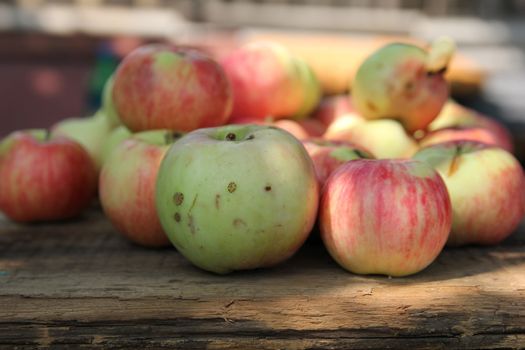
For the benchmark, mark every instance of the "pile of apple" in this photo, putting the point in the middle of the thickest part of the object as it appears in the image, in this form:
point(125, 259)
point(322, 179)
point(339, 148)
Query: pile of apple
point(234, 162)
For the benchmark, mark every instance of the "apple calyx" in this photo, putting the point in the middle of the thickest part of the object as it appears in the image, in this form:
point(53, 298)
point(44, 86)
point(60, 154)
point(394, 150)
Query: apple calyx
point(439, 55)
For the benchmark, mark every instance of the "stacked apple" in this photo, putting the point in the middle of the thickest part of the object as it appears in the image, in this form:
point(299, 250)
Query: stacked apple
point(231, 161)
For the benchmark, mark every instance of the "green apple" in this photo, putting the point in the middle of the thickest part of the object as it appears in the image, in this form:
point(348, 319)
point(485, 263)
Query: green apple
point(116, 136)
point(486, 187)
point(237, 197)
point(90, 132)
point(107, 103)
point(127, 186)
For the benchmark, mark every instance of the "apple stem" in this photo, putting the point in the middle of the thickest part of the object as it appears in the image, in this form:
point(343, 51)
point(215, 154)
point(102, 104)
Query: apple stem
point(439, 55)
point(455, 162)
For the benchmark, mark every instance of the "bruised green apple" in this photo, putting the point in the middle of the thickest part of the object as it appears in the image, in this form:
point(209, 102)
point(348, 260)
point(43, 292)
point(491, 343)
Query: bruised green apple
point(237, 197)
point(403, 82)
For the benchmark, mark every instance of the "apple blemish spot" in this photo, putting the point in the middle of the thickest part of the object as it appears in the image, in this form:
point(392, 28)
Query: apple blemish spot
point(250, 137)
point(230, 136)
point(178, 198)
point(268, 188)
point(232, 186)
point(177, 217)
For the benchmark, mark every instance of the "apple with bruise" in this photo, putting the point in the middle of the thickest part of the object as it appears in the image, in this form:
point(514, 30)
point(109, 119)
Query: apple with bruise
point(44, 177)
point(165, 87)
point(237, 197)
point(127, 186)
point(486, 186)
point(389, 217)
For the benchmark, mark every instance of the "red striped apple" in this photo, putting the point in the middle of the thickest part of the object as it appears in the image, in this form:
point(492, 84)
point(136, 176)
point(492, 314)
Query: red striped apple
point(44, 177)
point(388, 217)
point(164, 87)
point(237, 197)
point(486, 186)
point(127, 186)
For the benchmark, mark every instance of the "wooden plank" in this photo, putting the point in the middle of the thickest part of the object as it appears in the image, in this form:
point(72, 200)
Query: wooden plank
point(80, 284)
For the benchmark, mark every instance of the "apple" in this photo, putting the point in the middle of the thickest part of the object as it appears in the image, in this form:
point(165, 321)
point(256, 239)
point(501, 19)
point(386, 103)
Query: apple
point(486, 186)
point(268, 81)
point(43, 177)
point(403, 82)
point(455, 115)
point(329, 155)
point(164, 87)
point(333, 107)
point(90, 132)
point(292, 127)
point(237, 197)
point(313, 127)
point(127, 186)
point(384, 138)
point(388, 217)
point(479, 134)
point(116, 136)
point(108, 107)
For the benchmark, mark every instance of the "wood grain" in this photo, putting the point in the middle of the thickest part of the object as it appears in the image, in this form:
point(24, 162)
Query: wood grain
point(79, 284)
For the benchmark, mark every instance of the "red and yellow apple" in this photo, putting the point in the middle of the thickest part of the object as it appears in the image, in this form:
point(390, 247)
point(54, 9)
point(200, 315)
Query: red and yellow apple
point(458, 133)
point(486, 186)
point(44, 177)
point(268, 81)
point(164, 87)
point(388, 217)
point(403, 82)
point(127, 186)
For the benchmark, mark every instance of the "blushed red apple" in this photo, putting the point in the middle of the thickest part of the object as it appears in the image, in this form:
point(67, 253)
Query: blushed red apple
point(44, 177)
point(127, 186)
point(165, 87)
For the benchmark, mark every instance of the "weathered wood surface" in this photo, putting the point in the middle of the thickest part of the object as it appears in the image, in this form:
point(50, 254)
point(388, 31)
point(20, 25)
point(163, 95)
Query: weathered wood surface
point(80, 284)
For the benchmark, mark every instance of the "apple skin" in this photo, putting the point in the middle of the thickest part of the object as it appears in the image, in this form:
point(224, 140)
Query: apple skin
point(313, 127)
point(479, 134)
point(388, 217)
point(237, 197)
point(127, 186)
point(292, 127)
point(455, 115)
point(108, 107)
point(44, 179)
point(384, 138)
point(268, 81)
point(164, 87)
point(117, 135)
point(90, 132)
point(398, 81)
point(486, 187)
point(333, 107)
point(329, 155)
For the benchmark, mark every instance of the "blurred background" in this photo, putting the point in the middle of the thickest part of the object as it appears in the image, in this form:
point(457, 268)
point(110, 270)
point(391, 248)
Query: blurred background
point(55, 55)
